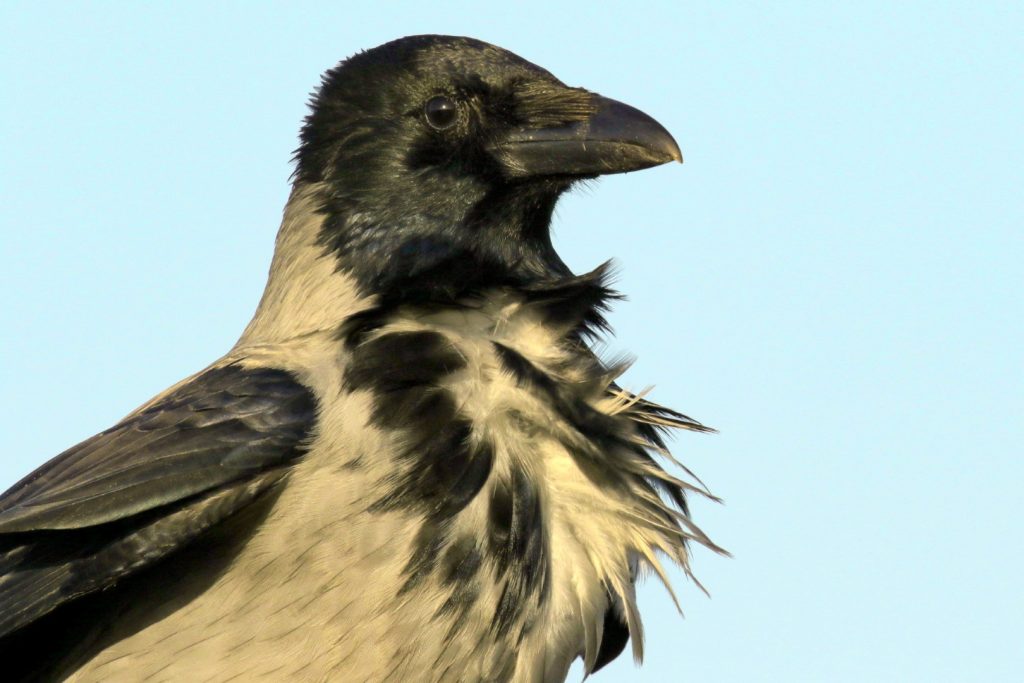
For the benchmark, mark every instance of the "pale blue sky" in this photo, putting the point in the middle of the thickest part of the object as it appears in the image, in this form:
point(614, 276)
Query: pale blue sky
point(833, 279)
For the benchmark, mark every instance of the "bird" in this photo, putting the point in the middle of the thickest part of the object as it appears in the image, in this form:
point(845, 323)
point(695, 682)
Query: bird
point(413, 464)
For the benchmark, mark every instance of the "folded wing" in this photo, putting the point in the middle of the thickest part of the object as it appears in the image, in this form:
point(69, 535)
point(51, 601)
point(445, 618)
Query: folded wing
point(133, 494)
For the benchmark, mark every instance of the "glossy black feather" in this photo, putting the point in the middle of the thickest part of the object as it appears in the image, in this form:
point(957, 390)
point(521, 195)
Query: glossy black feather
point(574, 303)
point(615, 635)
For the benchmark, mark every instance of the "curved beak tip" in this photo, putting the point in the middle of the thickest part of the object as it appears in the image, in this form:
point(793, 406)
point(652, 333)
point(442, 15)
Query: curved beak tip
point(660, 139)
point(677, 154)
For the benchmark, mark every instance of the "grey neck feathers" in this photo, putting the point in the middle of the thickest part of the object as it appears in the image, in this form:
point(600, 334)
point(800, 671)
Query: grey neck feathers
point(305, 292)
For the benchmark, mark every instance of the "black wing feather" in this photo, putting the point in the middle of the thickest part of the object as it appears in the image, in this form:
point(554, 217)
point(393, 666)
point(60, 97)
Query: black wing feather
point(137, 492)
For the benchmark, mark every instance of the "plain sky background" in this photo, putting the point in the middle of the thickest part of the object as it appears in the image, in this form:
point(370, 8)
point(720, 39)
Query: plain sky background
point(833, 279)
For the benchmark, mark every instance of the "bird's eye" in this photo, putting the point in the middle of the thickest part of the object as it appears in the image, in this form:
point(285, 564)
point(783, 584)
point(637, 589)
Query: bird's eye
point(441, 112)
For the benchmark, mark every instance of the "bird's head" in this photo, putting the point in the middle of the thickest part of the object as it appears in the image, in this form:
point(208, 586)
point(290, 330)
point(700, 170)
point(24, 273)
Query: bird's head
point(439, 161)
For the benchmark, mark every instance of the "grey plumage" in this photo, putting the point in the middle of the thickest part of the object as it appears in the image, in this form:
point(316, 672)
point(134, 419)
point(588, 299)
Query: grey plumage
point(411, 466)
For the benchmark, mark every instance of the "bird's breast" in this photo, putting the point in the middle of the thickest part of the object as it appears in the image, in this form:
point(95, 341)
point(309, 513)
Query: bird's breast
point(445, 519)
point(486, 531)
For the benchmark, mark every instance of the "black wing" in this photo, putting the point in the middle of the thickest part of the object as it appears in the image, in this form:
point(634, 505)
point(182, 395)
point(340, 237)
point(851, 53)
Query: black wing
point(129, 496)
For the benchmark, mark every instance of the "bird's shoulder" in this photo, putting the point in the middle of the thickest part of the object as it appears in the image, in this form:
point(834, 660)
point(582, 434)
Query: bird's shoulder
point(131, 495)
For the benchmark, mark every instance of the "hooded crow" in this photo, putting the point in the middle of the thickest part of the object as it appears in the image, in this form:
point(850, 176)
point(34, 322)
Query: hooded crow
point(412, 466)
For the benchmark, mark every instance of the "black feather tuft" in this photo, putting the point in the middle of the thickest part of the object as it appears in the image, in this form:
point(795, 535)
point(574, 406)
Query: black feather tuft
point(518, 545)
point(441, 467)
point(614, 638)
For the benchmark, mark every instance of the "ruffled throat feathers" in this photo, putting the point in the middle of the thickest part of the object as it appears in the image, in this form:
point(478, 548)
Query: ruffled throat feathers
point(534, 476)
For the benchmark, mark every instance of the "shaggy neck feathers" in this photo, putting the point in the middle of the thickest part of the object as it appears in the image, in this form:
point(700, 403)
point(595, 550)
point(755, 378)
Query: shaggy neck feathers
point(516, 441)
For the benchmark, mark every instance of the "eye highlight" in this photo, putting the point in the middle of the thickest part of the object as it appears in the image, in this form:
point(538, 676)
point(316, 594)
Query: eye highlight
point(441, 112)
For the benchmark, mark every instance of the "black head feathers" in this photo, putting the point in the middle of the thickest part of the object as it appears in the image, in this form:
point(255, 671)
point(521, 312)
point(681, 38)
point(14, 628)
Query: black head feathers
point(438, 161)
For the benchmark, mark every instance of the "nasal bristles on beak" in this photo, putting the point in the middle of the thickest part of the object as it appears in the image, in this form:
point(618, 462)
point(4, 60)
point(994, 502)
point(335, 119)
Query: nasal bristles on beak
point(543, 104)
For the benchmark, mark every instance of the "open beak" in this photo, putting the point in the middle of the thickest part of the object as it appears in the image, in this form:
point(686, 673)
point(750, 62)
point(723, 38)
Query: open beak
point(616, 138)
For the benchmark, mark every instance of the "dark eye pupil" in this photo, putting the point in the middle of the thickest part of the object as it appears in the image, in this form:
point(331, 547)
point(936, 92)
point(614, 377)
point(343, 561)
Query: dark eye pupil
point(441, 112)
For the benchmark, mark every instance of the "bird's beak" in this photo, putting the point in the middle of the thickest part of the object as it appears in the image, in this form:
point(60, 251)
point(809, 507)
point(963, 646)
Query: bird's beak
point(616, 138)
